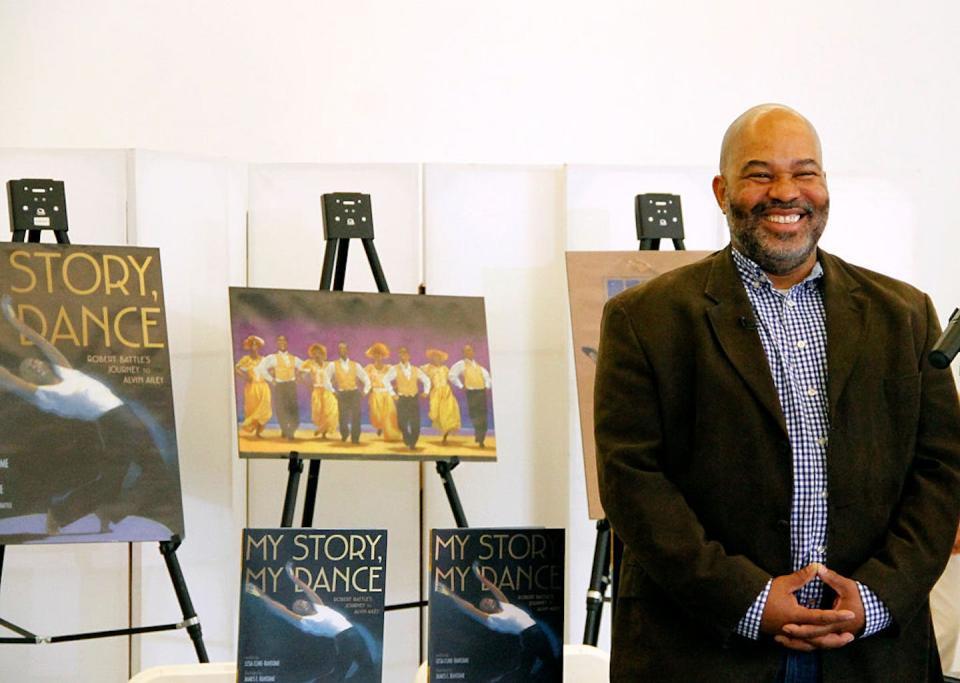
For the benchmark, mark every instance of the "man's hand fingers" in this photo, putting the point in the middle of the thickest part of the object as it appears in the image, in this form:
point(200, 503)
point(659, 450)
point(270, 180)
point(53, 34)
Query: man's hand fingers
point(800, 578)
point(840, 584)
point(795, 644)
point(820, 617)
point(809, 631)
point(831, 641)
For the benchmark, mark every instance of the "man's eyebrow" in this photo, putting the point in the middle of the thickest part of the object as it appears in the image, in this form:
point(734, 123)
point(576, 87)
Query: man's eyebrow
point(757, 163)
point(752, 163)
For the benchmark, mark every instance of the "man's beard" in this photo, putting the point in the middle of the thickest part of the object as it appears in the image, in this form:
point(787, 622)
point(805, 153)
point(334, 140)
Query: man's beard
point(775, 254)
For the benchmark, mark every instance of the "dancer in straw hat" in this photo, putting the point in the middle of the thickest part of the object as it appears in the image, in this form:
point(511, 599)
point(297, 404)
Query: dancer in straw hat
point(444, 409)
point(383, 411)
point(323, 403)
point(257, 407)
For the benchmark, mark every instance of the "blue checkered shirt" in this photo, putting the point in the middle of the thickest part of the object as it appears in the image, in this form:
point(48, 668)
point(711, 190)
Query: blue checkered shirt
point(793, 331)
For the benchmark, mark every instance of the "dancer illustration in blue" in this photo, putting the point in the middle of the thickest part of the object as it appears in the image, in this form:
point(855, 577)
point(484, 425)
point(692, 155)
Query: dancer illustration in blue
point(353, 660)
point(539, 649)
point(54, 386)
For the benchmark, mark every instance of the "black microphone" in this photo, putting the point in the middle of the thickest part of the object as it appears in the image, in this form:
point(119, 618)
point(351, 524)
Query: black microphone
point(948, 345)
point(748, 323)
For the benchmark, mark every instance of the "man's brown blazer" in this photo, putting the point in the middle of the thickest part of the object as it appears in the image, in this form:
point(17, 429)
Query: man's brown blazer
point(696, 474)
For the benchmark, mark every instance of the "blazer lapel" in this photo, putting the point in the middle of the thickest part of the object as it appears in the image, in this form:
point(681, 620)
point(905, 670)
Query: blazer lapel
point(734, 325)
point(847, 310)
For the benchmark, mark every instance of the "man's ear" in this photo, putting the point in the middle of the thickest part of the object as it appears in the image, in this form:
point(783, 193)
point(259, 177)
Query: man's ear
point(719, 192)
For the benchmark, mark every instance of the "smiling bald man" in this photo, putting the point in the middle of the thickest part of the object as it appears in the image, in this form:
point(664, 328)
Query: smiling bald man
point(778, 457)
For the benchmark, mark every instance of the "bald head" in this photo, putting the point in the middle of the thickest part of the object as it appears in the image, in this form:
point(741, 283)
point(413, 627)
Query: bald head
point(761, 124)
point(773, 191)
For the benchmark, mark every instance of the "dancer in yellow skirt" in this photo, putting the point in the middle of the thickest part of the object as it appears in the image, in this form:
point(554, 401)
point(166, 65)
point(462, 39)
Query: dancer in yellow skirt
point(323, 404)
point(257, 407)
point(444, 409)
point(383, 411)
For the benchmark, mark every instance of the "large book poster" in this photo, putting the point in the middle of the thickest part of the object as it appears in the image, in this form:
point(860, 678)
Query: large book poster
point(311, 605)
point(88, 448)
point(592, 278)
point(341, 375)
point(496, 605)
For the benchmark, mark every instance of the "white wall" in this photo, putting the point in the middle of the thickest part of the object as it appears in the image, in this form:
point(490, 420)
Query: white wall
point(535, 83)
point(619, 82)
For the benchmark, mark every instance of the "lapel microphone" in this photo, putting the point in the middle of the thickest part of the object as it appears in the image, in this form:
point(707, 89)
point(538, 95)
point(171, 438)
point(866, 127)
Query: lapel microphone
point(747, 323)
point(948, 345)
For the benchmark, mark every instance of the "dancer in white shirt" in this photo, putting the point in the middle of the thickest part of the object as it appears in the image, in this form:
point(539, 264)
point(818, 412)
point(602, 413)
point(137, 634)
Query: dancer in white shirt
point(353, 660)
point(55, 387)
point(283, 368)
point(538, 653)
point(476, 383)
point(343, 377)
point(406, 376)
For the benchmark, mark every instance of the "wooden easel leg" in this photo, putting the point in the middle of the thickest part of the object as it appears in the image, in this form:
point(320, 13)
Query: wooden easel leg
point(169, 551)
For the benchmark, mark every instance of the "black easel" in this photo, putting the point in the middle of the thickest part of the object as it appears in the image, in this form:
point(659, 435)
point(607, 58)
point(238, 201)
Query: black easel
point(659, 216)
point(346, 216)
point(168, 549)
point(600, 578)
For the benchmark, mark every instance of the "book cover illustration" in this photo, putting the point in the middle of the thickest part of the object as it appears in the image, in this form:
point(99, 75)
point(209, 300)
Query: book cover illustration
point(342, 375)
point(592, 278)
point(88, 448)
point(496, 605)
point(311, 606)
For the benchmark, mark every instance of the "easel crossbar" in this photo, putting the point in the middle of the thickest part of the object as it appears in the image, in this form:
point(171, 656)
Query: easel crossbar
point(90, 635)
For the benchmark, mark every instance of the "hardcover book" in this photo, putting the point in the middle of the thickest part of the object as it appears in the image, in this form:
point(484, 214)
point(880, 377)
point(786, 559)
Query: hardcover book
point(88, 448)
point(311, 605)
point(496, 605)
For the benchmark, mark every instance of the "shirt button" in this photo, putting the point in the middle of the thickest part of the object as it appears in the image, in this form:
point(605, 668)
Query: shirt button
point(811, 391)
point(824, 494)
point(801, 344)
point(822, 441)
point(821, 549)
point(756, 284)
point(791, 303)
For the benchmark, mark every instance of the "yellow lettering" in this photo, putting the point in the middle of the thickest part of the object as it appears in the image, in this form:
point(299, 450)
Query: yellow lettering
point(116, 327)
point(63, 320)
point(48, 256)
point(22, 309)
point(14, 256)
point(87, 316)
point(141, 271)
point(98, 276)
point(121, 282)
point(145, 324)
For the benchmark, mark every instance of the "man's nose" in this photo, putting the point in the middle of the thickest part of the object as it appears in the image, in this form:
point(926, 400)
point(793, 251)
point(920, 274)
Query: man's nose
point(784, 188)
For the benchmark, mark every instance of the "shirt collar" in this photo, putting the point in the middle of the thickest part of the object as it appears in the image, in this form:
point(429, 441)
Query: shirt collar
point(750, 272)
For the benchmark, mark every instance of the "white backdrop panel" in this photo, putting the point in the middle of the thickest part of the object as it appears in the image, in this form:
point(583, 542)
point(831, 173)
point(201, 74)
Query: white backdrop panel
point(73, 588)
point(286, 250)
point(195, 212)
point(498, 232)
point(600, 205)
